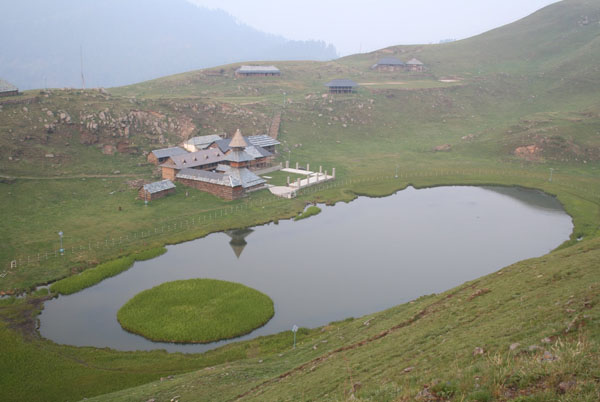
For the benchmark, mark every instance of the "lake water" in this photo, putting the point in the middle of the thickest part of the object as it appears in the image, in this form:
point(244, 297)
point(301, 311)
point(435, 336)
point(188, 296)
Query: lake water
point(352, 259)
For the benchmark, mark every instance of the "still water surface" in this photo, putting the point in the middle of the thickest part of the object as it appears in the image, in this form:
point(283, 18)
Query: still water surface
point(351, 260)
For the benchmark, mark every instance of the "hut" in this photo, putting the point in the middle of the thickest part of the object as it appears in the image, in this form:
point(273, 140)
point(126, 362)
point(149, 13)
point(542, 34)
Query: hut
point(199, 143)
point(159, 156)
point(341, 86)
point(257, 71)
point(389, 64)
point(415, 65)
point(8, 89)
point(153, 191)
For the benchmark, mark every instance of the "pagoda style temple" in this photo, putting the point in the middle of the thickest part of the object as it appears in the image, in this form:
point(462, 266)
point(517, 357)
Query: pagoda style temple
point(230, 180)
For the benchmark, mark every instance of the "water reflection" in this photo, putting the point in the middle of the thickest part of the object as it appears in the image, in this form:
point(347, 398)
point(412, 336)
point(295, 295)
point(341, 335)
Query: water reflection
point(238, 239)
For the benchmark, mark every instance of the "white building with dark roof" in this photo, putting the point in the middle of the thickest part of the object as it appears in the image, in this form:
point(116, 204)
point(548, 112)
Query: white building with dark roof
point(257, 71)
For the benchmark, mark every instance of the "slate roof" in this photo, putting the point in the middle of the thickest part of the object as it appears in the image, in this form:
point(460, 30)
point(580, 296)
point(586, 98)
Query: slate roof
point(224, 146)
point(205, 176)
point(169, 152)
point(390, 61)
point(232, 177)
point(258, 70)
point(159, 186)
point(262, 140)
point(414, 62)
point(195, 159)
point(239, 156)
point(243, 176)
point(6, 86)
point(257, 152)
point(203, 141)
point(341, 83)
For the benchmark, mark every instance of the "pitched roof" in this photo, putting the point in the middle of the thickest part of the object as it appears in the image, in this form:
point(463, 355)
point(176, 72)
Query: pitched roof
point(232, 177)
point(168, 152)
point(341, 83)
point(257, 152)
point(224, 145)
point(6, 86)
point(262, 140)
point(195, 159)
point(239, 156)
point(203, 141)
point(206, 176)
point(390, 61)
point(243, 176)
point(414, 62)
point(238, 140)
point(258, 70)
point(158, 186)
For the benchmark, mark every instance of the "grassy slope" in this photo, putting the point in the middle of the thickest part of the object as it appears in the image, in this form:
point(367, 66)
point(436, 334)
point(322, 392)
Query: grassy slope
point(504, 102)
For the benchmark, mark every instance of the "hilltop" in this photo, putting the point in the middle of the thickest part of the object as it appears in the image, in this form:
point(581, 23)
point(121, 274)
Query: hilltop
point(501, 108)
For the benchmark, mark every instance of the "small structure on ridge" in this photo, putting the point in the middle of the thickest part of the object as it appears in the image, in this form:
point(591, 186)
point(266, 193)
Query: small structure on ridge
point(389, 64)
point(8, 89)
point(341, 86)
point(257, 71)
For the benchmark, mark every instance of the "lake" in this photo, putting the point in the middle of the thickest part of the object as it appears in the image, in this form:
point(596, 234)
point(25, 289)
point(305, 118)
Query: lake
point(353, 259)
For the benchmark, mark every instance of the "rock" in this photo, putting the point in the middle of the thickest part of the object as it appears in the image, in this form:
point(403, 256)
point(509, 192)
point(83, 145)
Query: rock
point(425, 395)
point(443, 148)
point(478, 351)
point(49, 113)
point(108, 149)
point(514, 346)
point(117, 172)
point(356, 387)
point(533, 348)
point(324, 96)
point(548, 357)
point(565, 386)
point(546, 340)
point(151, 400)
point(478, 293)
point(49, 155)
point(25, 110)
point(468, 137)
point(408, 369)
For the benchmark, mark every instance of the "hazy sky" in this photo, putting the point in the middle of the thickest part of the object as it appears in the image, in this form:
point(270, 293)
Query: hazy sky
point(355, 25)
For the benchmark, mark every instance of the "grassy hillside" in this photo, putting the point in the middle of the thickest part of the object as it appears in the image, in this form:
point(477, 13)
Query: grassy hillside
point(522, 100)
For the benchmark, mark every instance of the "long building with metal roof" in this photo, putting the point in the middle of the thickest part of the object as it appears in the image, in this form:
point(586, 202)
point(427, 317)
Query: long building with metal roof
point(8, 89)
point(262, 71)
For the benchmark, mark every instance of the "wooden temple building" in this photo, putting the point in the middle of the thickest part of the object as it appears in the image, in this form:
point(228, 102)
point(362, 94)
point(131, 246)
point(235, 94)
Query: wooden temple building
point(229, 180)
point(415, 65)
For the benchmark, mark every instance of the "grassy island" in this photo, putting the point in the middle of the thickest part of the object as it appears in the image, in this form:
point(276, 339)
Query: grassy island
point(196, 311)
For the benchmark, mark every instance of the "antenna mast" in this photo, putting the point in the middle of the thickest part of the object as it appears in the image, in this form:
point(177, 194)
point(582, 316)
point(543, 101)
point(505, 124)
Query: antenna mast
point(81, 57)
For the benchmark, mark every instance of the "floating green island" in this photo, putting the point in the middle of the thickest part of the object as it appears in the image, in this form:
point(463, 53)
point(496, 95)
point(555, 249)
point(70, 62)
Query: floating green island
point(196, 311)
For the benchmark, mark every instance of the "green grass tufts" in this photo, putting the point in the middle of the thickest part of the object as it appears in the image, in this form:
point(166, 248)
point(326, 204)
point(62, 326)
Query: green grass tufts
point(196, 311)
point(310, 211)
point(90, 277)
